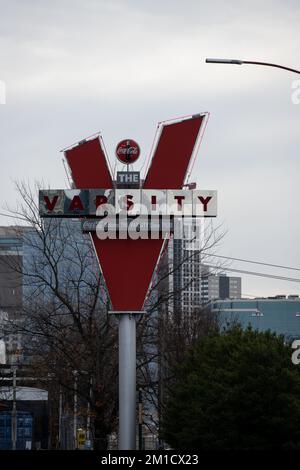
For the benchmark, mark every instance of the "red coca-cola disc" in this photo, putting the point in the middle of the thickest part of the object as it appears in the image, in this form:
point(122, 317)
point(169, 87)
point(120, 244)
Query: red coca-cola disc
point(128, 151)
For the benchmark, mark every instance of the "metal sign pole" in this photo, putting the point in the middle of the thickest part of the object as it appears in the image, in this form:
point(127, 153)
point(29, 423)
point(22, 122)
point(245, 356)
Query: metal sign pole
point(127, 381)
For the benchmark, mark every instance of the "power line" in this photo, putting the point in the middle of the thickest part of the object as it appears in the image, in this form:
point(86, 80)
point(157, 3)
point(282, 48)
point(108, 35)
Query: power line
point(256, 262)
point(253, 273)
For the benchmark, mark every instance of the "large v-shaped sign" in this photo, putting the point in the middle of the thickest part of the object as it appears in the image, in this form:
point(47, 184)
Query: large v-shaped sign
point(128, 265)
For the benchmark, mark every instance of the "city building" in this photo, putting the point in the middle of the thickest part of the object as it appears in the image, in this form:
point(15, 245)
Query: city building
point(219, 286)
point(191, 284)
point(280, 314)
point(10, 279)
point(11, 292)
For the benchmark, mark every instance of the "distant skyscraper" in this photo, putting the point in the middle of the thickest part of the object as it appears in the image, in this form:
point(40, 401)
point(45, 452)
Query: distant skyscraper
point(192, 284)
point(220, 287)
point(11, 253)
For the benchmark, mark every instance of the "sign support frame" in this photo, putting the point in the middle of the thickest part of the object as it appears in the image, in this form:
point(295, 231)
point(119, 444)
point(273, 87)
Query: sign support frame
point(89, 166)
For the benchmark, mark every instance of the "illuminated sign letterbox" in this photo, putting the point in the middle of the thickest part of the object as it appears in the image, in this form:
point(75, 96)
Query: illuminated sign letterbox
point(84, 203)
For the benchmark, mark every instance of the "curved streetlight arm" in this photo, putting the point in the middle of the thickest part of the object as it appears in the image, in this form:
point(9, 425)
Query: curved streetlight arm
point(240, 62)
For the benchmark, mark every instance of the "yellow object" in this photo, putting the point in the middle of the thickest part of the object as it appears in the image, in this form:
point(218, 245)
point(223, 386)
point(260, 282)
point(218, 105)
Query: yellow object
point(81, 437)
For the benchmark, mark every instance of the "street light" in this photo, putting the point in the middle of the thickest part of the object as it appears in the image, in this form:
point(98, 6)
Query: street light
point(241, 62)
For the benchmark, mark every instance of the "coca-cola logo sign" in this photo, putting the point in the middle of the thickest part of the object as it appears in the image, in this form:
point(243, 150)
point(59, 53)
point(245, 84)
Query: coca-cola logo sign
point(127, 151)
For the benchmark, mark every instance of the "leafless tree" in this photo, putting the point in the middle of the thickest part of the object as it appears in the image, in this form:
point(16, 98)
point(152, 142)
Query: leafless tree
point(64, 319)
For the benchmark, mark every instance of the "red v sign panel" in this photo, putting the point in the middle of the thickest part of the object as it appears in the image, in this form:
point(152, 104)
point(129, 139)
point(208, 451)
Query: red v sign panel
point(88, 165)
point(128, 265)
point(173, 153)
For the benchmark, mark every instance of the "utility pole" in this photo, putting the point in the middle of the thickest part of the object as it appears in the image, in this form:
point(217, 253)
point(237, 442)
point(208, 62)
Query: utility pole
point(60, 419)
point(75, 372)
point(14, 410)
point(140, 419)
point(88, 419)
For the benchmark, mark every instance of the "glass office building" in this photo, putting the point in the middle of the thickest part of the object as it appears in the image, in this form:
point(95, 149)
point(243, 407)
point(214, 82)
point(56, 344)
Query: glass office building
point(281, 315)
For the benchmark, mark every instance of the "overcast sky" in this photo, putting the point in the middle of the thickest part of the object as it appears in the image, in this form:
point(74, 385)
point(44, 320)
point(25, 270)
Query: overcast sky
point(72, 68)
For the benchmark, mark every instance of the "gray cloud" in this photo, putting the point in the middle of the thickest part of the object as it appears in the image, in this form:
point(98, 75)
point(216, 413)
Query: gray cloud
point(75, 67)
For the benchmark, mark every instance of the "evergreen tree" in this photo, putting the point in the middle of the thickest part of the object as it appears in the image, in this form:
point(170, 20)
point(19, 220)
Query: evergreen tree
point(235, 390)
